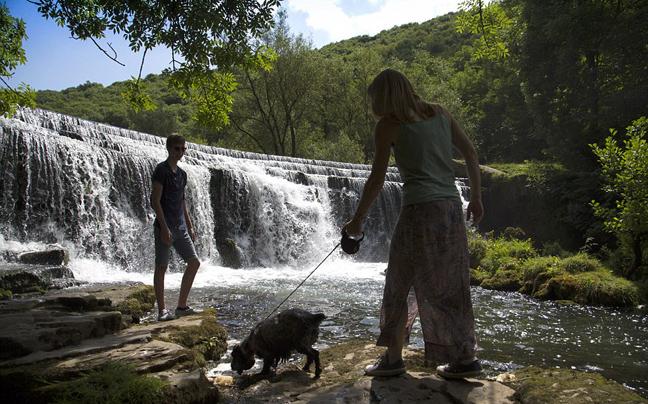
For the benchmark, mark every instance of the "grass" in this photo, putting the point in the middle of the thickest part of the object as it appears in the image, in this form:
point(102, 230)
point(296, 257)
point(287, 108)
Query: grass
point(511, 169)
point(541, 386)
point(510, 264)
point(114, 383)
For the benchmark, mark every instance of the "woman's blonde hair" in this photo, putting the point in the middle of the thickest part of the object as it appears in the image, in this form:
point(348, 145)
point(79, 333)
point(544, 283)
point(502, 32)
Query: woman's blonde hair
point(393, 97)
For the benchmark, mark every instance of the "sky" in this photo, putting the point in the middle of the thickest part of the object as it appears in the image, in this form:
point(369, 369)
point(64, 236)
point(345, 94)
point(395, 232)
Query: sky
point(55, 61)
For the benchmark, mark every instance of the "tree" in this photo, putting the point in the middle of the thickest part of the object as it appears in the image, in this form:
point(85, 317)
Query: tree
point(625, 175)
point(344, 111)
point(208, 39)
point(490, 22)
point(12, 54)
point(583, 66)
point(272, 107)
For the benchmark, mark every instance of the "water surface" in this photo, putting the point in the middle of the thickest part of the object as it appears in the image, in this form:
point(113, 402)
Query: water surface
point(513, 330)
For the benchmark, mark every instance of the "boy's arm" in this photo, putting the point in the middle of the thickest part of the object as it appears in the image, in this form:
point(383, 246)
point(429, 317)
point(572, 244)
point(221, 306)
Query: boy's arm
point(156, 197)
point(461, 141)
point(190, 229)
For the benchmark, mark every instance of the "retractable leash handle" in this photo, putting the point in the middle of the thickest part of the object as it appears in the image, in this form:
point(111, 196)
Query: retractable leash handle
point(351, 244)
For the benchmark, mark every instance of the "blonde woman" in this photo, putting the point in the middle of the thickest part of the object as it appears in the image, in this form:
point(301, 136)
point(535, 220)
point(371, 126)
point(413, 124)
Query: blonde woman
point(429, 249)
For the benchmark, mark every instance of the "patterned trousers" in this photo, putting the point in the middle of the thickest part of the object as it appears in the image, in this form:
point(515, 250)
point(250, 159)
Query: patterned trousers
point(429, 252)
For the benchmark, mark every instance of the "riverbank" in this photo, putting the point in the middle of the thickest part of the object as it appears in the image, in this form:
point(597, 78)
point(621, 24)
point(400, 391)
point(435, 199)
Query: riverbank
point(55, 345)
point(511, 263)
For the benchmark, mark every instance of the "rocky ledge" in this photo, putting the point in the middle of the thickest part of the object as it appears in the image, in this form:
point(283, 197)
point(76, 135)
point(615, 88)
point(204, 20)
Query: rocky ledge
point(89, 347)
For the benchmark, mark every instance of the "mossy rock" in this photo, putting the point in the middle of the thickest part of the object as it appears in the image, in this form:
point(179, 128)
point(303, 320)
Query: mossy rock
point(532, 287)
point(506, 280)
point(536, 385)
point(5, 294)
point(138, 302)
point(208, 340)
point(22, 282)
point(590, 288)
point(477, 277)
point(230, 255)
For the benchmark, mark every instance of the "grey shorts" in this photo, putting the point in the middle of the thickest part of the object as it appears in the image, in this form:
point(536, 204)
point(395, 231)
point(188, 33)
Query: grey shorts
point(180, 240)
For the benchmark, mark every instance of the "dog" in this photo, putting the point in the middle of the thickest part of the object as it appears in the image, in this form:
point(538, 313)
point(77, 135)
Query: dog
point(274, 339)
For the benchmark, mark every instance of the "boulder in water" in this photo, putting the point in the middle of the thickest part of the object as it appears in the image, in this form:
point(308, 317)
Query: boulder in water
point(230, 255)
point(55, 256)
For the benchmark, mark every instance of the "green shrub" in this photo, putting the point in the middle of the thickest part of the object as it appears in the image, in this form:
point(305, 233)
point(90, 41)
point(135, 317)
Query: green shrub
point(477, 248)
point(642, 288)
point(513, 233)
point(555, 249)
point(534, 266)
point(506, 253)
point(580, 263)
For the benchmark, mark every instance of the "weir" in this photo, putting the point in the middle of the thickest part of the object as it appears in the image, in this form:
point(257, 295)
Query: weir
point(86, 186)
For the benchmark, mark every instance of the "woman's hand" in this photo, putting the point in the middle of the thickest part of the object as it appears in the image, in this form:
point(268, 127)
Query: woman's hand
point(475, 210)
point(353, 227)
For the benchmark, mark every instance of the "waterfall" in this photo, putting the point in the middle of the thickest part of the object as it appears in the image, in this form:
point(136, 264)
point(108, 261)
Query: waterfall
point(87, 186)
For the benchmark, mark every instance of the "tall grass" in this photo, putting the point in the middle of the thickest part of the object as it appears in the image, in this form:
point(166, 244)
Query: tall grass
point(114, 383)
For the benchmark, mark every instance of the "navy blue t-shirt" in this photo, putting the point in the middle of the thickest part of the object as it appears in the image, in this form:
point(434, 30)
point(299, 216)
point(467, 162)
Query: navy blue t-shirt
point(173, 186)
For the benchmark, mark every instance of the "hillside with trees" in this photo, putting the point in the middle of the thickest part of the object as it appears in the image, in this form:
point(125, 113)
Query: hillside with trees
point(553, 90)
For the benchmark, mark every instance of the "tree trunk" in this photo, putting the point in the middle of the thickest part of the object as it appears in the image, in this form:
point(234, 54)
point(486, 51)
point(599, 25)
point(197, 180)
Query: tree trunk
point(638, 257)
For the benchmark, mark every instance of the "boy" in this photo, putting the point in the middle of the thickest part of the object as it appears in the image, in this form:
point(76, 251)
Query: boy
point(172, 227)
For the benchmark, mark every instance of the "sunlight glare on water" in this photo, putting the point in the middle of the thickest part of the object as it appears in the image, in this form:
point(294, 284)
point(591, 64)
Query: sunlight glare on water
point(512, 330)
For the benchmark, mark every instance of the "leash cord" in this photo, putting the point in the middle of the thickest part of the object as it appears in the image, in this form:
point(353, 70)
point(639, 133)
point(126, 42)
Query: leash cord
point(298, 286)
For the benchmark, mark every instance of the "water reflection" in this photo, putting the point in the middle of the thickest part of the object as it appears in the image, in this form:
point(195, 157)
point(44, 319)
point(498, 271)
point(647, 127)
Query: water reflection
point(512, 330)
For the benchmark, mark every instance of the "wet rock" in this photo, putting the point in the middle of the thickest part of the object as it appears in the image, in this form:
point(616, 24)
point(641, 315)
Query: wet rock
point(35, 279)
point(230, 255)
point(54, 343)
point(55, 256)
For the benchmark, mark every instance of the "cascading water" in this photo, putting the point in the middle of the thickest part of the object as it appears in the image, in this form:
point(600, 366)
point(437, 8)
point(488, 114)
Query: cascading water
point(86, 186)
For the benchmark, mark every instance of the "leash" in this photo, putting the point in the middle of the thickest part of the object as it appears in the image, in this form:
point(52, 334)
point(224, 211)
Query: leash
point(298, 286)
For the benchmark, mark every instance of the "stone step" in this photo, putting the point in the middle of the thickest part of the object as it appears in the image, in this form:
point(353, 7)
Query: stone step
point(45, 330)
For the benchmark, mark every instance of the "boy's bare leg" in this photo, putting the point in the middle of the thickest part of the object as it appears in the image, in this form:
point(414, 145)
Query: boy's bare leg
point(187, 281)
point(158, 286)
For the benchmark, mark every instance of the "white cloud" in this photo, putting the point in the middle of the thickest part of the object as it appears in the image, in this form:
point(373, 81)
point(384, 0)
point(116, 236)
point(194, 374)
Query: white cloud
point(329, 16)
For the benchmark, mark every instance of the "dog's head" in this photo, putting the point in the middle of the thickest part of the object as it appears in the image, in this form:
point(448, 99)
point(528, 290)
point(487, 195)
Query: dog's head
point(241, 360)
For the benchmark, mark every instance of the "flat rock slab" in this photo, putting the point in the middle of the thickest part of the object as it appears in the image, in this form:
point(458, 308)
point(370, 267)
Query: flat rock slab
point(412, 387)
point(45, 330)
point(134, 344)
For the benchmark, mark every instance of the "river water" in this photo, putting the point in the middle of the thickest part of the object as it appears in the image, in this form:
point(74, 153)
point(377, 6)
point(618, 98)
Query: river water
point(512, 329)
point(86, 186)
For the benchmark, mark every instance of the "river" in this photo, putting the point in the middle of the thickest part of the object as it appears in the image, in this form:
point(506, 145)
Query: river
point(513, 330)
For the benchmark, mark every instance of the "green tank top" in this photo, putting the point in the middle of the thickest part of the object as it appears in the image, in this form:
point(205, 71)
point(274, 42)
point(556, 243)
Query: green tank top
point(423, 155)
